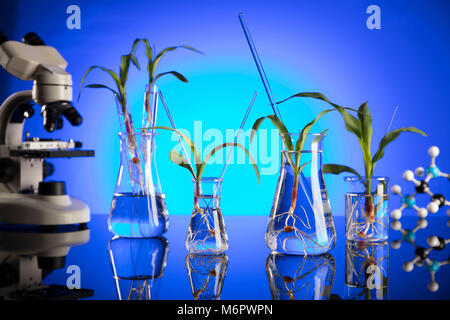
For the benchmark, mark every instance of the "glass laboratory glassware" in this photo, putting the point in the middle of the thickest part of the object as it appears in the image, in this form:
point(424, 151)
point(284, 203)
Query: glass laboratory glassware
point(366, 270)
point(366, 208)
point(294, 277)
point(300, 221)
point(138, 208)
point(138, 266)
point(206, 233)
point(206, 275)
point(150, 106)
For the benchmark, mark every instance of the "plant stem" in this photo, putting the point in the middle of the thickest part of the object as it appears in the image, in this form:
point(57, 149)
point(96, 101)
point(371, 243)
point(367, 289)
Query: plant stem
point(368, 206)
point(147, 102)
point(294, 194)
point(196, 194)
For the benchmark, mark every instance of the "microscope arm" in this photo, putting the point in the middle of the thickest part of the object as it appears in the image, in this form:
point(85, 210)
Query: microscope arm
point(11, 133)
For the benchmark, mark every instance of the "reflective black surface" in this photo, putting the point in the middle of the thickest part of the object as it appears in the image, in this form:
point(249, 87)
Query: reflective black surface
point(244, 273)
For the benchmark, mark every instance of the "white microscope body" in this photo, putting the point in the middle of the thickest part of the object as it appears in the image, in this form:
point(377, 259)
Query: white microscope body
point(25, 198)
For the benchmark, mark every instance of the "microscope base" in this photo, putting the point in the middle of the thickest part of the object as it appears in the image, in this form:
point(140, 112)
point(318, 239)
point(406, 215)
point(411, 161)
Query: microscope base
point(42, 210)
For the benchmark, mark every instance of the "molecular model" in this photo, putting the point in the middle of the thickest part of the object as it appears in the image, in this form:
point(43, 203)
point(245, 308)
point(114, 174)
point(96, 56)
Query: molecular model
point(421, 254)
point(421, 186)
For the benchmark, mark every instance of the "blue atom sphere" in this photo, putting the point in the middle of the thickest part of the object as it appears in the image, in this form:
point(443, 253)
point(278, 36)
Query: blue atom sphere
point(434, 171)
point(409, 201)
point(409, 236)
point(433, 267)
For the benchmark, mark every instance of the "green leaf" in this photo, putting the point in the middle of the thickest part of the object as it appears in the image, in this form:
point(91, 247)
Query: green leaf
point(303, 134)
point(158, 57)
point(133, 55)
point(391, 136)
point(96, 85)
point(197, 159)
point(224, 145)
point(300, 169)
point(178, 159)
point(174, 73)
point(351, 123)
point(365, 120)
point(338, 169)
point(125, 62)
point(365, 140)
point(124, 67)
point(149, 54)
point(115, 77)
point(284, 133)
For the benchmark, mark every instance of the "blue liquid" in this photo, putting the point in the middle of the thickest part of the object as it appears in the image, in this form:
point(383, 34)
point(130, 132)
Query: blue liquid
point(133, 216)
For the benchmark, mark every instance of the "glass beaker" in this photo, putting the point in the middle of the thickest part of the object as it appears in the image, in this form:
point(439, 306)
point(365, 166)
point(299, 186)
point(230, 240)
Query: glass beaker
point(206, 275)
point(300, 221)
point(206, 233)
point(138, 208)
point(366, 270)
point(366, 208)
point(138, 265)
point(293, 277)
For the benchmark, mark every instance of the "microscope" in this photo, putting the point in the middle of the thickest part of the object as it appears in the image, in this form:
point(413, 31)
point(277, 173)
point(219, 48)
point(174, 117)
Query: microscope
point(25, 197)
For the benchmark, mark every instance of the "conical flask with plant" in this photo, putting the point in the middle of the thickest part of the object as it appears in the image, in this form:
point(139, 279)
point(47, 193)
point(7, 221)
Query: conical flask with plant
point(300, 220)
point(206, 233)
point(138, 207)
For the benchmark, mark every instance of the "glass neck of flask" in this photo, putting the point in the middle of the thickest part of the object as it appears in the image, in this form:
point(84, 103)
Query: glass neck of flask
point(207, 192)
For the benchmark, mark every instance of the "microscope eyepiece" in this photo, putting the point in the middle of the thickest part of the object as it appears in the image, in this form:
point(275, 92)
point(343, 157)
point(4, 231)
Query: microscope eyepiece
point(33, 39)
point(52, 114)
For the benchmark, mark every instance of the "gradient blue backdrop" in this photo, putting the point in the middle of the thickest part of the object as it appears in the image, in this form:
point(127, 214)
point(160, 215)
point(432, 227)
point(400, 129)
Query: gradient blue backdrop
point(304, 45)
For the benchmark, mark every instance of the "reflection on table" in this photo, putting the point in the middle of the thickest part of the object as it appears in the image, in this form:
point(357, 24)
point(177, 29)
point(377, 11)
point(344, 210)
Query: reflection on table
point(366, 270)
point(29, 254)
point(138, 266)
point(294, 277)
point(206, 275)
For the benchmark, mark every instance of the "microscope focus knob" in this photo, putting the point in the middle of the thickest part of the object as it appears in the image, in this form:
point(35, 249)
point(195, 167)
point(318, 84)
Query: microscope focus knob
point(52, 188)
point(8, 170)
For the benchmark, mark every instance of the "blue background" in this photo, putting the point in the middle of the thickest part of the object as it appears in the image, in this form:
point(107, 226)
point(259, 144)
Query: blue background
point(318, 45)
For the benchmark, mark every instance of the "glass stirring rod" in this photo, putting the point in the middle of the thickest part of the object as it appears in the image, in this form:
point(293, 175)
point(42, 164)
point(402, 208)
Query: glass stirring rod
point(265, 82)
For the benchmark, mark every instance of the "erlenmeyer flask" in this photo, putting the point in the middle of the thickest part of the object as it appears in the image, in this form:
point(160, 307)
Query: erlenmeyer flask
point(138, 266)
point(293, 277)
point(138, 207)
point(300, 221)
point(206, 233)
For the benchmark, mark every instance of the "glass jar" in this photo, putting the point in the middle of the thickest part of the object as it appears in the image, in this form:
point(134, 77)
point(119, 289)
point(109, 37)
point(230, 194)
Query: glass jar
point(206, 233)
point(366, 208)
point(300, 221)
